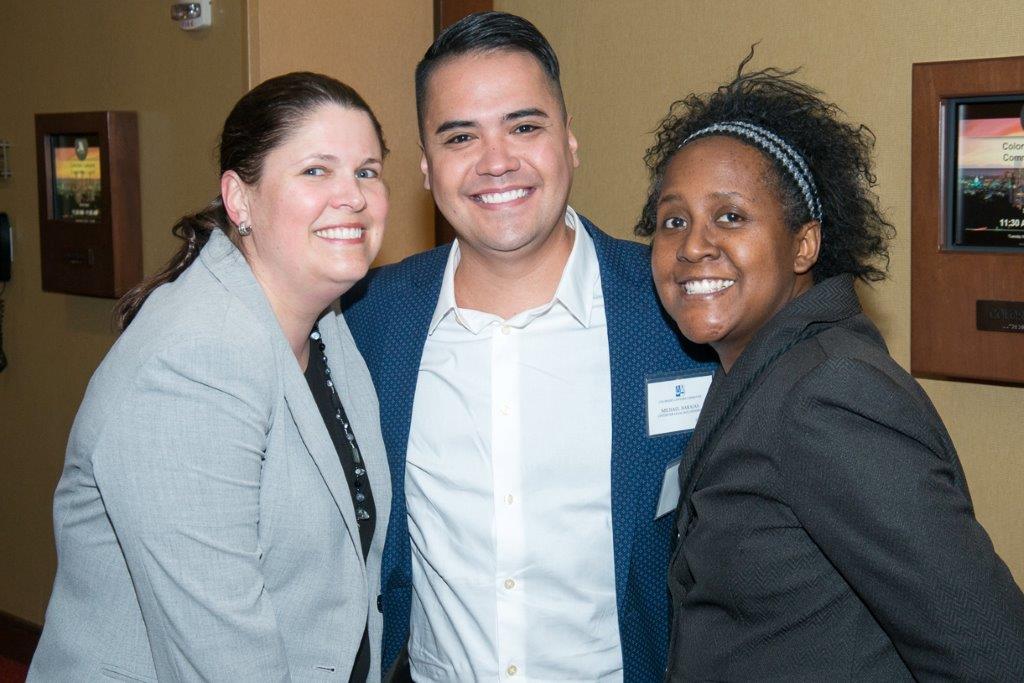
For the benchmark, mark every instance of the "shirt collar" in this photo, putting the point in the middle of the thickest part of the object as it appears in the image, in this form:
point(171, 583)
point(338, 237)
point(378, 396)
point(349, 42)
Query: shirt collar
point(580, 278)
point(582, 274)
point(446, 298)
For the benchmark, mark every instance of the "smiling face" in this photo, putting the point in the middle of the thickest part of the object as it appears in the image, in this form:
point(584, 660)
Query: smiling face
point(498, 154)
point(724, 259)
point(318, 210)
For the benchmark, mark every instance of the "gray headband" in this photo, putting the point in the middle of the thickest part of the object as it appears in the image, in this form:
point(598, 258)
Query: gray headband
point(775, 147)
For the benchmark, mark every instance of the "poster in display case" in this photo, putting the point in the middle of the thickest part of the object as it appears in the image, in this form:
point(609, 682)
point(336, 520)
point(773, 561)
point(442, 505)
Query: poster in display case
point(89, 204)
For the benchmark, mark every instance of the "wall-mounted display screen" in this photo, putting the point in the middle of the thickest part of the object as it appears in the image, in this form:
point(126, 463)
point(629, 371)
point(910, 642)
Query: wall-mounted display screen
point(985, 172)
point(77, 181)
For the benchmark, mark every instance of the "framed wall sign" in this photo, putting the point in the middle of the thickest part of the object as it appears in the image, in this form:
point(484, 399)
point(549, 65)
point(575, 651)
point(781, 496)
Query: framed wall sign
point(967, 216)
point(89, 206)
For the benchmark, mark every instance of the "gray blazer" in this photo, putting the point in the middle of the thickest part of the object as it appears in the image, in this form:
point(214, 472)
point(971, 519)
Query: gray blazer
point(203, 523)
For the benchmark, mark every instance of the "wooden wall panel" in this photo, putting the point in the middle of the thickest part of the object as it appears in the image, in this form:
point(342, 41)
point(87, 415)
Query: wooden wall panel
point(945, 284)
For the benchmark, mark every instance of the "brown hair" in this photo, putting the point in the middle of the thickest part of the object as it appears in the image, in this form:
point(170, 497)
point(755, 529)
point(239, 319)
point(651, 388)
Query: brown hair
point(260, 122)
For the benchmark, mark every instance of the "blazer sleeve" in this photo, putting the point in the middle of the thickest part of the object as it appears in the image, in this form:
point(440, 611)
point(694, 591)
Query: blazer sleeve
point(178, 469)
point(874, 479)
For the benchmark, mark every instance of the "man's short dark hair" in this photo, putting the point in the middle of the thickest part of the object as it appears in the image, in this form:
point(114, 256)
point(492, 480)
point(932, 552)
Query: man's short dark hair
point(485, 32)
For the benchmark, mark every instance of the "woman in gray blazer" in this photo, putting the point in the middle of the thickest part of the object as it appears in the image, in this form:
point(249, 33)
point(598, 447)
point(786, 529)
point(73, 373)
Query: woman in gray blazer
point(825, 528)
point(225, 496)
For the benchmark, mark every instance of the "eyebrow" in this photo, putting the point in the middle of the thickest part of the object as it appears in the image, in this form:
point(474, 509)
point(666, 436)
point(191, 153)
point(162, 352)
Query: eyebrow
point(525, 113)
point(511, 116)
point(458, 123)
point(334, 159)
point(668, 198)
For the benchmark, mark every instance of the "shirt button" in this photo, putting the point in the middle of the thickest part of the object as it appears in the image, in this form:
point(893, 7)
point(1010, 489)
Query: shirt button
point(509, 499)
point(510, 584)
point(504, 409)
point(512, 670)
point(505, 329)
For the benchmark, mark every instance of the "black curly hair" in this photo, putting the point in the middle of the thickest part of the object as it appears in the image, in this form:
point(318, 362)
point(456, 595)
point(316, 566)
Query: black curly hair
point(854, 234)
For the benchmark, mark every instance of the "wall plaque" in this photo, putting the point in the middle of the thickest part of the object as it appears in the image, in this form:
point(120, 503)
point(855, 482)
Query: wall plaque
point(967, 217)
point(90, 234)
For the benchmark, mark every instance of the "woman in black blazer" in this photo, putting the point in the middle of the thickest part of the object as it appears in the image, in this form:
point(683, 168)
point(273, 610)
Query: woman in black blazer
point(825, 527)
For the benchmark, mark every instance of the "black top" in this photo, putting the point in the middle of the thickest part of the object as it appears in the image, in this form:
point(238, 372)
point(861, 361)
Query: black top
point(826, 531)
point(317, 380)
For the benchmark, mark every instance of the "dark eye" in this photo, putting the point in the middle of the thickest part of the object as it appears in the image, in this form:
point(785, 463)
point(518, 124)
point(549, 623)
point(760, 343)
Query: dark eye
point(457, 139)
point(526, 128)
point(730, 218)
point(673, 223)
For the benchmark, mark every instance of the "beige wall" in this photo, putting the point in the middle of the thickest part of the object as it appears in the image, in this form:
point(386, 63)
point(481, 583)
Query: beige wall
point(623, 63)
point(68, 55)
point(374, 47)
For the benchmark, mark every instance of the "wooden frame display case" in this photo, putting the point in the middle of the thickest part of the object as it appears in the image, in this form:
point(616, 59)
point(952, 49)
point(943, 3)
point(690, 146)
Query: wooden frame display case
point(967, 216)
point(89, 207)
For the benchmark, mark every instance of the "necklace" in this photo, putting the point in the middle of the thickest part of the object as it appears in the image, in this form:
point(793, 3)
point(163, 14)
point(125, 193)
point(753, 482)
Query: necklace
point(359, 480)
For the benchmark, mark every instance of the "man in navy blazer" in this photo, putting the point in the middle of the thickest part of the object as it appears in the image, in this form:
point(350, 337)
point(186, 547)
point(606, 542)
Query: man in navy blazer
point(526, 537)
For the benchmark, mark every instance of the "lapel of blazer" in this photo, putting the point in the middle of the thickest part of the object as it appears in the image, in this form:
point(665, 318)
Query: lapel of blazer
point(825, 303)
point(628, 429)
point(318, 441)
point(409, 300)
point(713, 412)
point(357, 396)
point(407, 326)
point(229, 266)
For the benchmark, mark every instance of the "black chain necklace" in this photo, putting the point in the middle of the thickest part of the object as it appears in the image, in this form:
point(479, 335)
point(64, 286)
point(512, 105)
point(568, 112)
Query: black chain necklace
point(359, 471)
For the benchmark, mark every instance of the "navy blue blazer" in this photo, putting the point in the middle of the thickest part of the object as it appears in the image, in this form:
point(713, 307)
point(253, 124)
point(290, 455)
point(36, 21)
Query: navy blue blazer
point(389, 313)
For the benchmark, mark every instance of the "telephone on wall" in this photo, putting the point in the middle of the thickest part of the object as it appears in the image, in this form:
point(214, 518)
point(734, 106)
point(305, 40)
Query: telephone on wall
point(6, 259)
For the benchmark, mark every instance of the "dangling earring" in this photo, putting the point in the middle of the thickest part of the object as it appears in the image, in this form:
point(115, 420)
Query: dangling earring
point(244, 229)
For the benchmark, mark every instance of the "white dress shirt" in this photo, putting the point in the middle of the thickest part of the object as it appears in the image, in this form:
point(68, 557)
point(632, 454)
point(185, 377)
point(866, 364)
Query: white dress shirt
point(508, 488)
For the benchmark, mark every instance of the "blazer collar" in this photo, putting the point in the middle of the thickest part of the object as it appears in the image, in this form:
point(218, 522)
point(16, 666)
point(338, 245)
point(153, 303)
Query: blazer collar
point(227, 264)
point(827, 303)
point(397, 351)
point(622, 288)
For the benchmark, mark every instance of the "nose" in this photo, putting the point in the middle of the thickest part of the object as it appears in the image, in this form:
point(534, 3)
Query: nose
point(348, 193)
point(697, 244)
point(497, 159)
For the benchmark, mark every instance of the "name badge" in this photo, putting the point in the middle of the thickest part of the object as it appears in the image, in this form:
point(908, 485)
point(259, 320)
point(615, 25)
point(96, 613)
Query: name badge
point(674, 403)
point(669, 497)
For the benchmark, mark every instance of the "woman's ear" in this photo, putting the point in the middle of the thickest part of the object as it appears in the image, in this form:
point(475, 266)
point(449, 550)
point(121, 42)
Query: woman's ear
point(807, 243)
point(233, 192)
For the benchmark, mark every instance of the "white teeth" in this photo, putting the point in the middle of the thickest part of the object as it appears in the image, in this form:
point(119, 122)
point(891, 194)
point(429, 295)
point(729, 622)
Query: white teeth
point(707, 286)
point(499, 197)
point(340, 233)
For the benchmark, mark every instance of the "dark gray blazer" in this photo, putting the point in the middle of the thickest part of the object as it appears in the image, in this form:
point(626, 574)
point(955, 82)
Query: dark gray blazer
point(826, 530)
point(203, 521)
